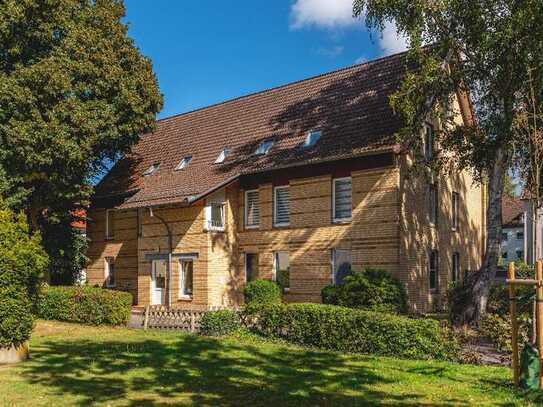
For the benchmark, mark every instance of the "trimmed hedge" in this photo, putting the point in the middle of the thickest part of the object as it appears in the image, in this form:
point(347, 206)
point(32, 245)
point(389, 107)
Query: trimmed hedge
point(351, 330)
point(16, 317)
point(370, 289)
point(85, 304)
point(219, 323)
point(262, 292)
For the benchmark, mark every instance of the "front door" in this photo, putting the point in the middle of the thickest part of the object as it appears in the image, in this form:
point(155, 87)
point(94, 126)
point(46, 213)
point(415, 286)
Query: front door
point(158, 282)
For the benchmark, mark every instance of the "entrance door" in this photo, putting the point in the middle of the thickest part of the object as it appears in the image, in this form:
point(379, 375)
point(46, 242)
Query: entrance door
point(158, 282)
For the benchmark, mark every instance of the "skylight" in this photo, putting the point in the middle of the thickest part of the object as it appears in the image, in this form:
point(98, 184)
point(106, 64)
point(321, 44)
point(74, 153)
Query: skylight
point(312, 137)
point(264, 147)
point(184, 163)
point(222, 156)
point(152, 169)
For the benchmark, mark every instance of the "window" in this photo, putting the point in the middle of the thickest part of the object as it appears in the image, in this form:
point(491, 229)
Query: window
point(184, 163)
point(428, 141)
point(455, 205)
point(520, 254)
point(109, 223)
point(152, 169)
point(222, 156)
point(505, 236)
point(342, 199)
point(251, 266)
point(433, 204)
point(281, 269)
point(341, 265)
point(186, 278)
point(214, 211)
point(520, 235)
point(281, 206)
point(433, 270)
point(504, 255)
point(264, 147)
point(312, 137)
point(252, 209)
point(455, 266)
point(109, 272)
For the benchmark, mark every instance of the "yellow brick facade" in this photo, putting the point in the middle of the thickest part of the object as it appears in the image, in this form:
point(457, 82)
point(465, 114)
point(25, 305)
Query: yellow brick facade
point(389, 230)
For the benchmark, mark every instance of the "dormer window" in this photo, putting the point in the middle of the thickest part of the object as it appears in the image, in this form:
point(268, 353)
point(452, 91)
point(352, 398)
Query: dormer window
point(264, 147)
point(222, 156)
point(312, 137)
point(184, 163)
point(152, 169)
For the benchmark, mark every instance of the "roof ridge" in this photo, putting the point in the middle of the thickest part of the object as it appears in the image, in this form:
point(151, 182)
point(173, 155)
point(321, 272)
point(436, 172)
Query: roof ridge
point(380, 59)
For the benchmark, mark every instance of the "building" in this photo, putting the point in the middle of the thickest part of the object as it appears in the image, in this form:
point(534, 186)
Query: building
point(533, 241)
point(289, 184)
point(513, 242)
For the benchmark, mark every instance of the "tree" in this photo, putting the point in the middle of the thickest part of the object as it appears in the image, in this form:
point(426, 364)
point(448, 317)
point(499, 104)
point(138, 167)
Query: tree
point(75, 94)
point(509, 185)
point(475, 48)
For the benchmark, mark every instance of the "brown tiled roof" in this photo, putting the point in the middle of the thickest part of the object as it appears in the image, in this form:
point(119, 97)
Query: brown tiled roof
point(350, 106)
point(512, 211)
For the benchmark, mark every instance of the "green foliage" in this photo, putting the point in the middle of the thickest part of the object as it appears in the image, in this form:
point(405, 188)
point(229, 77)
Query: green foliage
point(262, 292)
point(219, 323)
point(370, 289)
point(22, 262)
point(497, 328)
point(350, 330)
point(283, 278)
point(89, 305)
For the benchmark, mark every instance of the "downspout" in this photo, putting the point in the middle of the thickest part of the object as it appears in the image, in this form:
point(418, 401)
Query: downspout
point(170, 248)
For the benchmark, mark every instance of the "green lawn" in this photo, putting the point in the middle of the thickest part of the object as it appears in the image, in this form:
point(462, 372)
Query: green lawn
point(81, 365)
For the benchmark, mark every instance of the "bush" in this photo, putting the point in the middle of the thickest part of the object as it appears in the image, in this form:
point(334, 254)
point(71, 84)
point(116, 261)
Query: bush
point(22, 262)
point(361, 331)
point(219, 323)
point(262, 292)
point(370, 289)
point(88, 305)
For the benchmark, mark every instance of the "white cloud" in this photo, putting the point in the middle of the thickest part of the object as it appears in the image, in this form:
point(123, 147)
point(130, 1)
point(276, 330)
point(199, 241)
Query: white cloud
point(390, 42)
point(322, 13)
point(331, 52)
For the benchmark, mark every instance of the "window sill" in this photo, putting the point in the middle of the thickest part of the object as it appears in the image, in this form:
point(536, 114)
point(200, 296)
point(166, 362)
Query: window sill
point(111, 286)
point(340, 221)
point(252, 227)
point(185, 298)
point(215, 229)
point(281, 225)
point(109, 238)
point(286, 289)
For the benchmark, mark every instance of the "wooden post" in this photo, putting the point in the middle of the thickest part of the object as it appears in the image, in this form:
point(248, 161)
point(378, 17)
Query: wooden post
point(539, 317)
point(146, 317)
point(514, 322)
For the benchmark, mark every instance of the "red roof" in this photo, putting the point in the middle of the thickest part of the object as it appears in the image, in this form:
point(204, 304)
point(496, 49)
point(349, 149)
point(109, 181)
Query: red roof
point(512, 211)
point(350, 106)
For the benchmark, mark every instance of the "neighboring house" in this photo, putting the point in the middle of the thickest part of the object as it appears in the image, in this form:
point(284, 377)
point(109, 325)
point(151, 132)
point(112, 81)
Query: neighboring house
point(287, 184)
point(513, 243)
point(533, 245)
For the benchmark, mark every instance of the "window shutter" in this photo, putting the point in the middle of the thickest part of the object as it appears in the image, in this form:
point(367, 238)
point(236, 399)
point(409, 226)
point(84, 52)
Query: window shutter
point(343, 200)
point(282, 206)
point(252, 209)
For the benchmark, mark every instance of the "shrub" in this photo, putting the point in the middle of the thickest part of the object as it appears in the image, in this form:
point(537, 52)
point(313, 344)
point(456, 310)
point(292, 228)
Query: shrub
point(352, 330)
point(262, 292)
point(218, 323)
point(371, 289)
point(22, 262)
point(88, 305)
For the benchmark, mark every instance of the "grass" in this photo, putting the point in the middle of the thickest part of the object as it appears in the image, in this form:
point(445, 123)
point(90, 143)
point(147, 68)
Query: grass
point(81, 365)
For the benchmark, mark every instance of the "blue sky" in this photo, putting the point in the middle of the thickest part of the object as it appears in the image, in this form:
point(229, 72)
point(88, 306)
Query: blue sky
point(207, 51)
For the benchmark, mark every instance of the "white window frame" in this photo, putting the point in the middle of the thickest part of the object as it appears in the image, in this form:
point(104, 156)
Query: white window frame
point(151, 170)
point(275, 189)
point(264, 147)
point(341, 220)
point(208, 225)
point(225, 152)
point(107, 272)
point(455, 210)
point(182, 278)
point(184, 163)
point(109, 217)
point(307, 141)
point(246, 210)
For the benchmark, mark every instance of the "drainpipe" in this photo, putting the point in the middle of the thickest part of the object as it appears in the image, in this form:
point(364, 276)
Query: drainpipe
point(170, 248)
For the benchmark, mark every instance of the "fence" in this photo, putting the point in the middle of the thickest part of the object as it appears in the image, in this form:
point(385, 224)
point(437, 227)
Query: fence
point(161, 317)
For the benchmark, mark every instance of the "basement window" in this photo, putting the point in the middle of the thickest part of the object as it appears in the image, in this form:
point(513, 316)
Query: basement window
point(264, 147)
point(152, 169)
point(312, 137)
point(222, 156)
point(184, 163)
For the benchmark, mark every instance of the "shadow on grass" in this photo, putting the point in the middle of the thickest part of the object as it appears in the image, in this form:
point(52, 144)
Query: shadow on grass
point(196, 370)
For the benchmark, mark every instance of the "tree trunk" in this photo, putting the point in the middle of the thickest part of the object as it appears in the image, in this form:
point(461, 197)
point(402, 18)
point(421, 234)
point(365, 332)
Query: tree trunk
point(478, 283)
